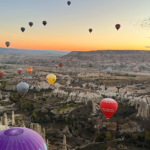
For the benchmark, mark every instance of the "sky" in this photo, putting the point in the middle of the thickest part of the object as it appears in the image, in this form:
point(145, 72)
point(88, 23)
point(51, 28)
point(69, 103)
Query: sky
point(68, 26)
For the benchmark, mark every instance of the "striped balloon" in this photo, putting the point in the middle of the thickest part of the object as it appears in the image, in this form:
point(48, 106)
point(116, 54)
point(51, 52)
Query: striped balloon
point(29, 69)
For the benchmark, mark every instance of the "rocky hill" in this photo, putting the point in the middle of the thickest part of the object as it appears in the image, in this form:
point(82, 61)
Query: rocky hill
point(109, 56)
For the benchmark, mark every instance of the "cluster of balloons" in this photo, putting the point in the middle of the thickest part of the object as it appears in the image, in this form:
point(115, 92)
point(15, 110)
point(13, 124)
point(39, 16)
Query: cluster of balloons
point(31, 24)
point(59, 65)
point(23, 87)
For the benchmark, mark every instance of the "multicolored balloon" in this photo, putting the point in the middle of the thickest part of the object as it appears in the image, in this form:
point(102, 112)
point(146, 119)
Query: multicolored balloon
point(7, 44)
point(22, 29)
point(29, 69)
point(51, 78)
point(22, 88)
point(1, 74)
point(117, 26)
point(44, 23)
point(19, 70)
point(19, 138)
point(108, 107)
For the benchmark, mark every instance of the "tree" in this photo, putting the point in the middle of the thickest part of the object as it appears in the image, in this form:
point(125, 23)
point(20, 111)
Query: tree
point(134, 136)
point(45, 111)
point(47, 117)
point(34, 115)
point(108, 136)
point(147, 135)
point(66, 119)
point(97, 133)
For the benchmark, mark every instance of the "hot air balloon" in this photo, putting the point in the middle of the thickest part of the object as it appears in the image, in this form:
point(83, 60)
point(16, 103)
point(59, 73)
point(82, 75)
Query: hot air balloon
point(22, 88)
point(108, 70)
point(60, 64)
point(21, 139)
point(108, 107)
point(90, 30)
point(90, 64)
point(7, 44)
point(29, 69)
point(44, 23)
point(117, 26)
point(56, 66)
point(68, 2)
point(22, 29)
point(51, 78)
point(30, 24)
point(19, 70)
point(136, 70)
point(1, 74)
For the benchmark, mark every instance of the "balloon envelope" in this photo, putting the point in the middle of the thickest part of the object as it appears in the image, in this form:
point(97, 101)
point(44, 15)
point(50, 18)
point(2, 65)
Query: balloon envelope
point(19, 138)
point(30, 24)
point(19, 70)
point(90, 64)
point(29, 69)
point(44, 23)
point(51, 78)
point(22, 29)
point(68, 2)
point(90, 30)
point(56, 66)
point(60, 64)
point(7, 44)
point(117, 26)
point(1, 74)
point(108, 70)
point(22, 88)
point(108, 107)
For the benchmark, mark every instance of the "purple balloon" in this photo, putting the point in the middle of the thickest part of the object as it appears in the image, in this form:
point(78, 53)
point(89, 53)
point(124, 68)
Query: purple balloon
point(19, 138)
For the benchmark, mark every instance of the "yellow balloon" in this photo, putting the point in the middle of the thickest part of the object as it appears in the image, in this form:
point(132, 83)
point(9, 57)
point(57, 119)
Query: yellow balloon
point(51, 78)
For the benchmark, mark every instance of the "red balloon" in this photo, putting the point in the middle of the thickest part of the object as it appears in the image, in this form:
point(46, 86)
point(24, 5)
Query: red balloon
point(117, 26)
point(108, 107)
point(56, 66)
point(19, 71)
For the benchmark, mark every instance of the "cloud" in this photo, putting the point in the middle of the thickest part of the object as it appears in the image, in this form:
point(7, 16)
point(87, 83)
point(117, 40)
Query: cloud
point(143, 23)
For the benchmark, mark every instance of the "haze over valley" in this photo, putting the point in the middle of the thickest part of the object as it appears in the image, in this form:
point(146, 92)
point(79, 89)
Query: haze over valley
point(71, 106)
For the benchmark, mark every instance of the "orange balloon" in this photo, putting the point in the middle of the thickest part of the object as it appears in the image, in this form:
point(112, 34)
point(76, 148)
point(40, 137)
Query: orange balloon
point(29, 69)
point(1, 74)
point(60, 64)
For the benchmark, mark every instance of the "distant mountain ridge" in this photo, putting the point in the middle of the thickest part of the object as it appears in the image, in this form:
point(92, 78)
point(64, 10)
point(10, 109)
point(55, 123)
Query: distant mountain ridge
point(108, 56)
point(29, 51)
